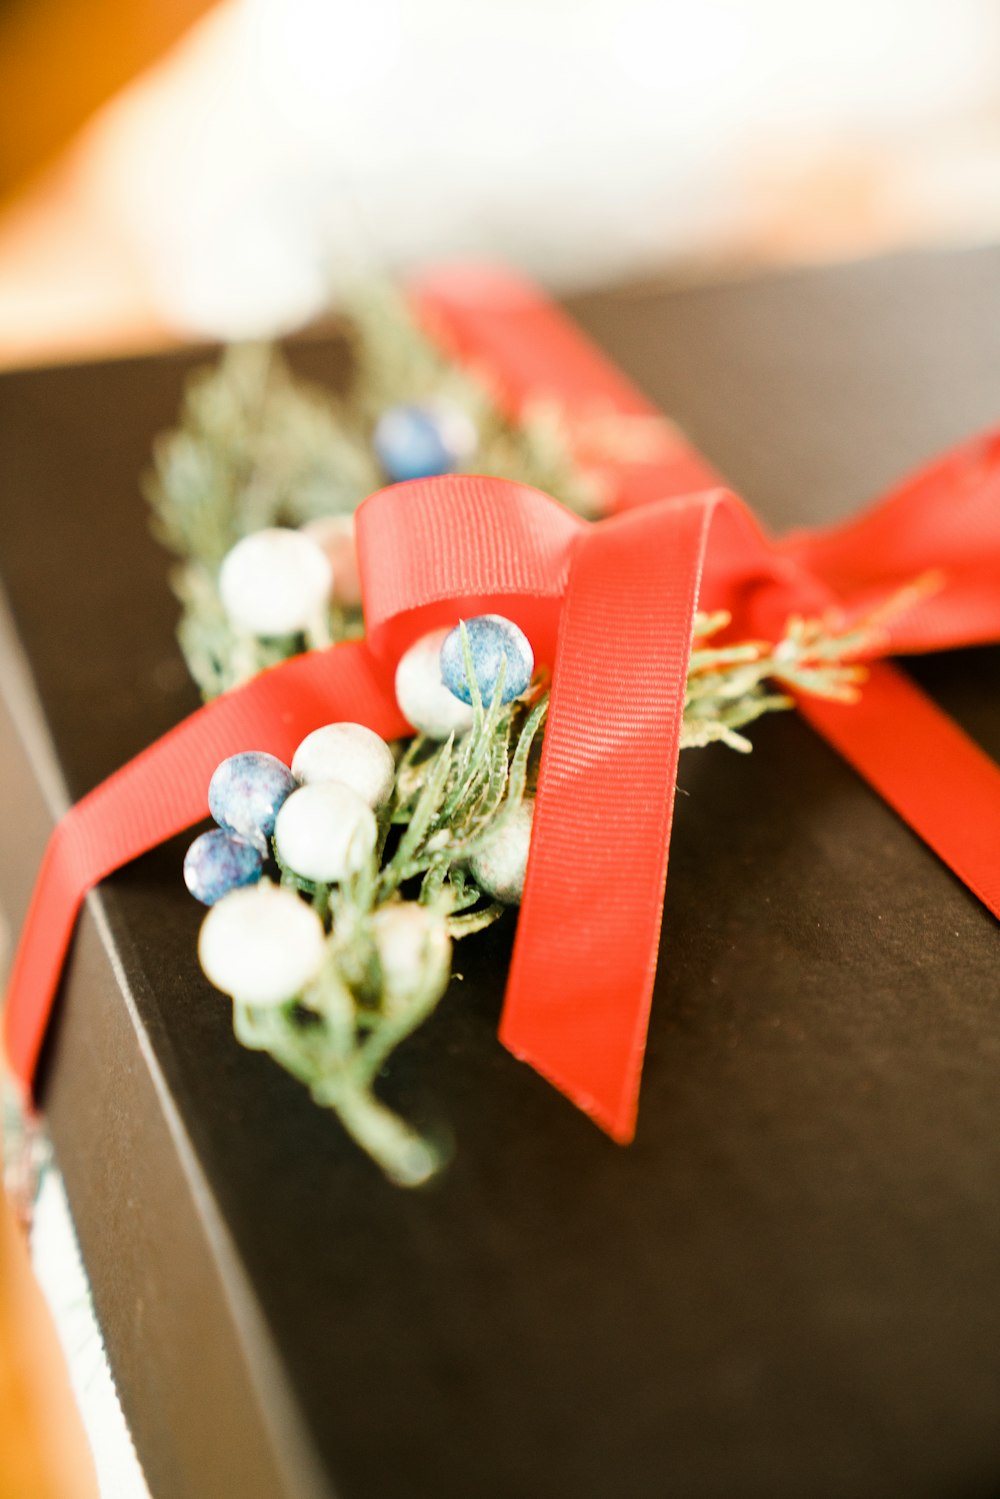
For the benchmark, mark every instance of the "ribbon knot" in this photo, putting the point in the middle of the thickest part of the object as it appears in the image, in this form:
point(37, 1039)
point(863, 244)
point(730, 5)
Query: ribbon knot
point(610, 605)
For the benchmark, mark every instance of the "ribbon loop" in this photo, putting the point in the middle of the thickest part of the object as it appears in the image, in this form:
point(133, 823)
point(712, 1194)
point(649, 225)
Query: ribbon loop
point(433, 548)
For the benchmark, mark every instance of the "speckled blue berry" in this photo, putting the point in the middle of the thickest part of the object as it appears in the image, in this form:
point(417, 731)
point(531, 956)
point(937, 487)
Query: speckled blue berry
point(218, 862)
point(492, 639)
point(246, 794)
point(417, 442)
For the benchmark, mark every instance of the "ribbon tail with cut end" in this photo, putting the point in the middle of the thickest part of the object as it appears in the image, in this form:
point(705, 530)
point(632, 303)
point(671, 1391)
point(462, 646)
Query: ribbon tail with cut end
point(584, 961)
point(532, 355)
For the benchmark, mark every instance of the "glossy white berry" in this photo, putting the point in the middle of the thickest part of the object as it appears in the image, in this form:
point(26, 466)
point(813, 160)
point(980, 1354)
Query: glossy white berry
point(414, 951)
point(334, 535)
point(325, 832)
point(351, 754)
point(274, 582)
point(261, 944)
point(499, 866)
point(423, 698)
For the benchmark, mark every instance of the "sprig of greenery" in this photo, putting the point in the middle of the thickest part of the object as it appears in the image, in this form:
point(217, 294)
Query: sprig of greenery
point(729, 687)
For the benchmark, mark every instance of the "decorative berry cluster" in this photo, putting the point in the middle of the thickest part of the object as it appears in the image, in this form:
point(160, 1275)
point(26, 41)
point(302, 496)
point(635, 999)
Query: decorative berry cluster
point(374, 869)
point(263, 945)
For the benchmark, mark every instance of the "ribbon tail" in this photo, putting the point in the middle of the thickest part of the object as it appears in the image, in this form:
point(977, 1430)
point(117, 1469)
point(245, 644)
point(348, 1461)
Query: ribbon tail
point(584, 960)
point(160, 793)
point(929, 771)
point(503, 328)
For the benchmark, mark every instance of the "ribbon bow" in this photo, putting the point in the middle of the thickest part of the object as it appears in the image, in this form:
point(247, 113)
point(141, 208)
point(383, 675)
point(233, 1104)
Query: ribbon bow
point(610, 605)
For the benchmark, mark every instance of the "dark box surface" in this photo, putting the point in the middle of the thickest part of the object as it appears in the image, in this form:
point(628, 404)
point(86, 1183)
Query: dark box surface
point(790, 1284)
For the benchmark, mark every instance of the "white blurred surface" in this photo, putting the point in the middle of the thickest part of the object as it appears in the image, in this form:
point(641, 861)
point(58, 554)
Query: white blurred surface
point(285, 143)
point(59, 1271)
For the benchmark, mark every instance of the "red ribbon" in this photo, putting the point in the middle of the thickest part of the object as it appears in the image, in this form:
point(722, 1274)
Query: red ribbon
point(610, 606)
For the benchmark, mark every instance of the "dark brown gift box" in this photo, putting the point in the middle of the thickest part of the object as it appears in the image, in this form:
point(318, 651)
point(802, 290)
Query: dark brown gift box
point(790, 1284)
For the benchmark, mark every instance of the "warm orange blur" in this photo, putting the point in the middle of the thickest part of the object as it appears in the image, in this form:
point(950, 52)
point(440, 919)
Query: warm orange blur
point(43, 1452)
point(246, 152)
point(60, 59)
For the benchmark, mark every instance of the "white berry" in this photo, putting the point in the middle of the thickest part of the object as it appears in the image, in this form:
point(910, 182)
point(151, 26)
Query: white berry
point(275, 582)
point(351, 754)
point(325, 832)
point(334, 535)
point(499, 866)
point(261, 944)
point(414, 951)
point(457, 429)
point(423, 698)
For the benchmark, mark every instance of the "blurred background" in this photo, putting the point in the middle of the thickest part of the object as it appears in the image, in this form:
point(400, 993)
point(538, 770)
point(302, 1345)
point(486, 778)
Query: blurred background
point(172, 169)
point(175, 167)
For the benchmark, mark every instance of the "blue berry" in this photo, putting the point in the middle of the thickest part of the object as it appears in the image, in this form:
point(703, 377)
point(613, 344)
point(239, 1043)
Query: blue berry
point(492, 639)
point(246, 793)
point(218, 862)
point(416, 442)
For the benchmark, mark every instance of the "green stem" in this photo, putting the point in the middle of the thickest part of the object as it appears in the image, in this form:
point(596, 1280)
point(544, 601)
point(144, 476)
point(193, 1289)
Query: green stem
point(405, 1156)
point(321, 901)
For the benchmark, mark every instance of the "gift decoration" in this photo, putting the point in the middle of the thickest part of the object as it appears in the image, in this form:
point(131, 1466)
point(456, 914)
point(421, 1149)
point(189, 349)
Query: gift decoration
point(263, 463)
point(687, 581)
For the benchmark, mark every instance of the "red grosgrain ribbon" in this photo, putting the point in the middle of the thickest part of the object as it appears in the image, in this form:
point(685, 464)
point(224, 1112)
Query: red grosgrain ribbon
point(531, 355)
point(610, 606)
